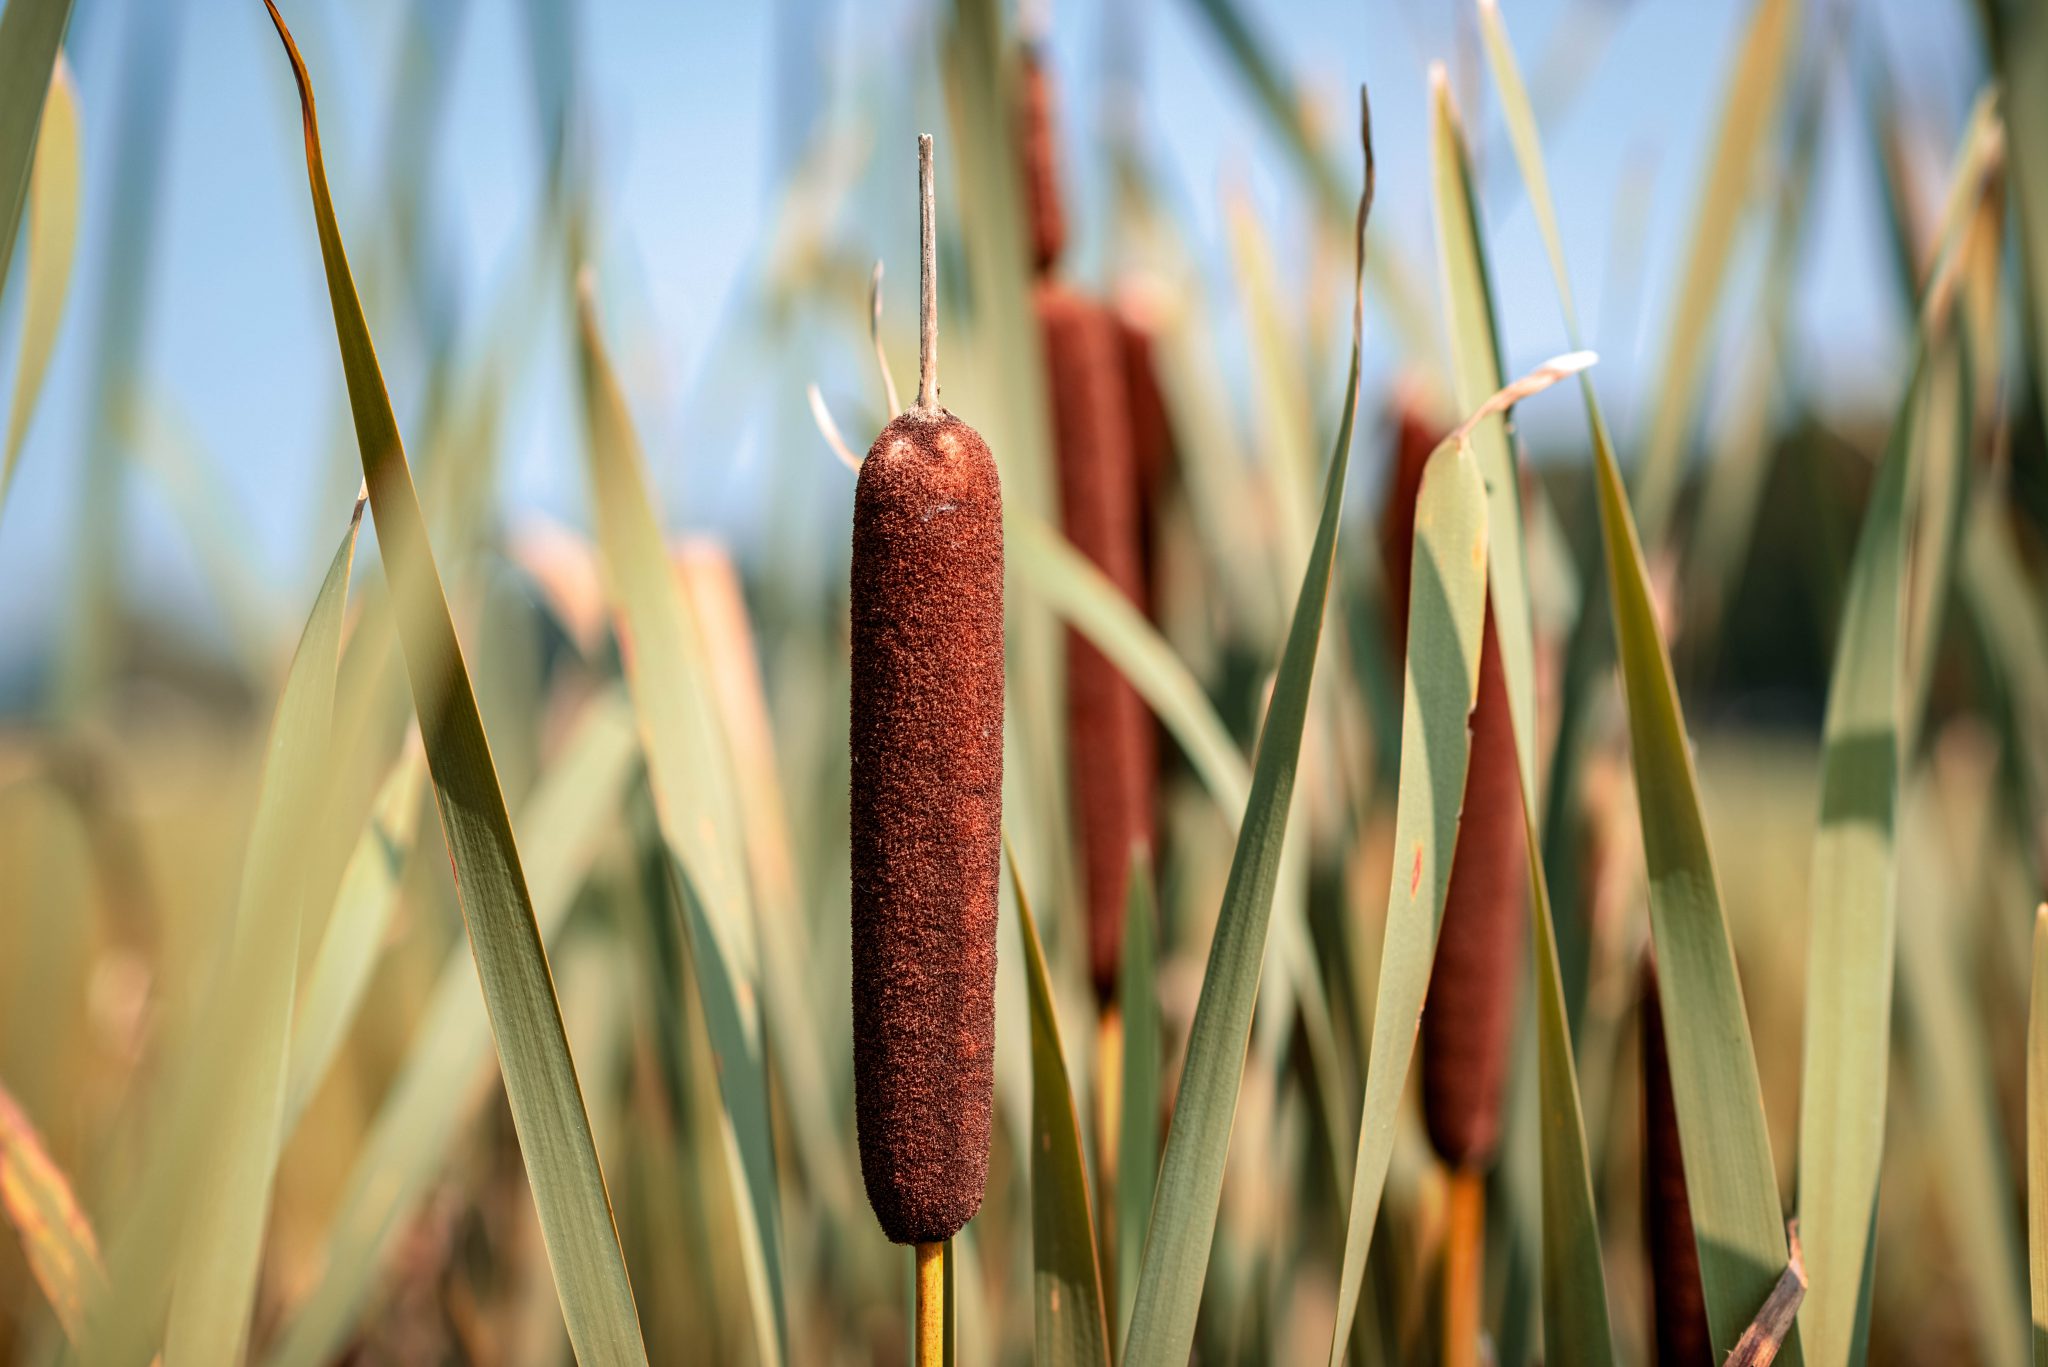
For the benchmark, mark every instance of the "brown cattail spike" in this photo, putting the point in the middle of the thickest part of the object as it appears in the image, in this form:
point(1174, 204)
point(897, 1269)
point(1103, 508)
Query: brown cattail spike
point(1468, 1014)
point(1040, 154)
point(1110, 743)
point(927, 746)
point(1151, 445)
point(927, 769)
point(1680, 1302)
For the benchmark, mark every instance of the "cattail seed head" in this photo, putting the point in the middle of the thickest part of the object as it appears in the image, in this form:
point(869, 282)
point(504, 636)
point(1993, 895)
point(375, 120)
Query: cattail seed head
point(1468, 1015)
point(927, 777)
point(1679, 1301)
point(1045, 217)
point(1151, 444)
point(1110, 741)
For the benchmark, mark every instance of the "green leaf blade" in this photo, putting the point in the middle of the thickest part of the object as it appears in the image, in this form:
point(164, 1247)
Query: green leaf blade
point(52, 240)
point(1576, 1324)
point(1853, 926)
point(498, 911)
point(1137, 1164)
point(1183, 1222)
point(355, 932)
point(570, 813)
point(1727, 1151)
point(1756, 85)
point(31, 32)
point(1066, 1278)
point(1447, 612)
point(246, 1030)
point(690, 772)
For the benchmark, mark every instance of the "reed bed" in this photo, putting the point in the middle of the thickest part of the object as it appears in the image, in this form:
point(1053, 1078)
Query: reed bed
point(1307, 832)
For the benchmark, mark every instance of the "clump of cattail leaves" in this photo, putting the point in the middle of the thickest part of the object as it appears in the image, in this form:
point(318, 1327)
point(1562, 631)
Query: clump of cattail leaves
point(927, 777)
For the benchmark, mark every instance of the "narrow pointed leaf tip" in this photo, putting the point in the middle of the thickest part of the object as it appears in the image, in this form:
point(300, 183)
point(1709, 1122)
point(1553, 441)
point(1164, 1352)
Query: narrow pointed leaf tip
point(1190, 1186)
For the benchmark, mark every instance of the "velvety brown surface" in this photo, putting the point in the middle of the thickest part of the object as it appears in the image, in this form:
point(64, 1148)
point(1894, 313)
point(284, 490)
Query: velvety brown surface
point(1415, 437)
point(1679, 1301)
point(1151, 444)
point(927, 748)
point(1044, 216)
point(1110, 742)
point(1469, 1012)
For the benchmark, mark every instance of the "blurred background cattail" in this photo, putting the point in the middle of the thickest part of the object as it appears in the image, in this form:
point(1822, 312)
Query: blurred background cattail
point(1090, 384)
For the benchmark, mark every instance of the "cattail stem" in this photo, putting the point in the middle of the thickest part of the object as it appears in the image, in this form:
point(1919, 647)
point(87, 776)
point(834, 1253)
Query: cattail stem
point(931, 1305)
point(1464, 1252)
point(1109, 1112)
point(927, 281)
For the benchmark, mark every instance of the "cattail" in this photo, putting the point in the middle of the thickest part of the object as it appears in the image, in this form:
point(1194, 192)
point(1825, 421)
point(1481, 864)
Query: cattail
point(1679, 1303)
point(1468, 1014)
point(1045, 218)
point(927, 751)
point(1110, 742)
point(1151, 445)
point(1109, 731)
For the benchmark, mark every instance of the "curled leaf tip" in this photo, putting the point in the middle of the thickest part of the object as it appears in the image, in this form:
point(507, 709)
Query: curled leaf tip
point(829, 429)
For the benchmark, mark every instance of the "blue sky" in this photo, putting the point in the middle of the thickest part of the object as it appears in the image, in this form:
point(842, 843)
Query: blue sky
point(684, 109)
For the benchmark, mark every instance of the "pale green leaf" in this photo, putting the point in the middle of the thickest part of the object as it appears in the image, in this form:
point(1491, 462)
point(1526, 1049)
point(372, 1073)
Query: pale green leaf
point(1719, 1101)
point(690, 772)
point(1047, 565)
point(572, 811)
point(540, 1076)
point(1066, 1279)
point(31, 33)
point(355, 932)
point(245, 1035)
point(52, 238)
point(1137, 1163)
point(1446, 615)
point(1576, 1327)
point(1727, 1149)
point(1184, 1205)
point(1749, 108)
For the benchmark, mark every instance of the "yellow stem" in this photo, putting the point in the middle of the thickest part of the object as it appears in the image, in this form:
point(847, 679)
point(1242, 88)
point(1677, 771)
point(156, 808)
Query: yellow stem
point(1464, 1254)
point(931, 1305)
point(1109, 1111)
